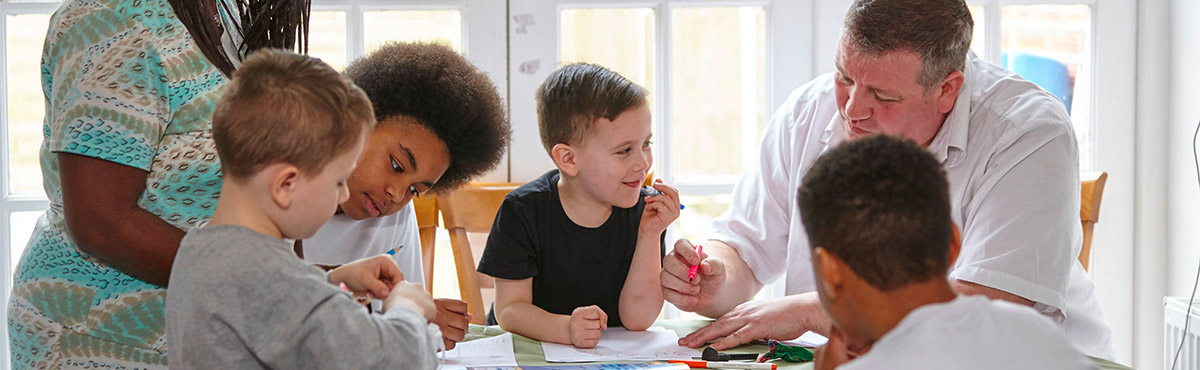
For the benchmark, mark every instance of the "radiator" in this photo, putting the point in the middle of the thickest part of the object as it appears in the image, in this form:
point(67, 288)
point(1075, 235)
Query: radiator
point(1174, 315)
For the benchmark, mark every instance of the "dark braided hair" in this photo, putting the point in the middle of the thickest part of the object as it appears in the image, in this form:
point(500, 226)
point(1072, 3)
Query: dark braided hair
point(279, 24)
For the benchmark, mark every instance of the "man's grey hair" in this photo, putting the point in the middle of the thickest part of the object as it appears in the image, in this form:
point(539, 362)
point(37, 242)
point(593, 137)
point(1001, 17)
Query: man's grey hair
point(940, 31)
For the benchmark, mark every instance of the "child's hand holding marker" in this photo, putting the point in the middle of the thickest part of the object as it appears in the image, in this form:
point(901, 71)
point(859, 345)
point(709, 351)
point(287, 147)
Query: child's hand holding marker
point(662, 208)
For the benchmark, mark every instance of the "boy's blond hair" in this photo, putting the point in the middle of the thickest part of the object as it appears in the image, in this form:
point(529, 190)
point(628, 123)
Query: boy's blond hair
point(290, 108)
point(575, 96)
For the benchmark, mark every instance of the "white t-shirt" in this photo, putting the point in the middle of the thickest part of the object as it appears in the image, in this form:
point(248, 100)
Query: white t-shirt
point(343, 240)
point(972, 333)
point(1010, 155)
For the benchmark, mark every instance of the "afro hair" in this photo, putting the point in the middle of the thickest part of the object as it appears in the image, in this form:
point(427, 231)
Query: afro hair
point(443, 92)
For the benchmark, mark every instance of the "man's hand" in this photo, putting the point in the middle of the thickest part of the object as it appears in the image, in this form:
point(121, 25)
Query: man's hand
point(690, 295)
point(778, 318)
point(587, 323)
point(452, 317)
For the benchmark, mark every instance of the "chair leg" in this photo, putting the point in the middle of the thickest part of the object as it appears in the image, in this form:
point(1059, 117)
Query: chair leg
point(468, 285)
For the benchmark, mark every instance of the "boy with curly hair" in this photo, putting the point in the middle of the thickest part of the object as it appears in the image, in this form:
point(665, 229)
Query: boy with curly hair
point(441, 123)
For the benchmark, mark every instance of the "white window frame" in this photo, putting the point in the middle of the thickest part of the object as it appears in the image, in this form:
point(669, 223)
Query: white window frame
point(484, 39)
point(788, 65)
point(11, 203)
point(1113, 40)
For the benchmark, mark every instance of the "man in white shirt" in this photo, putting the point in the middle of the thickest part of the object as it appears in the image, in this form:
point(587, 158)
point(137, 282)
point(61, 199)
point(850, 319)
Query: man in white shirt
point(885, 288)
point(1007, 146)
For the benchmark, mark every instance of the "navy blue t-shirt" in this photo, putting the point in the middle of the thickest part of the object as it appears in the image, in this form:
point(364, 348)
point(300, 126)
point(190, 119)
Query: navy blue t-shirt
point(572, 266)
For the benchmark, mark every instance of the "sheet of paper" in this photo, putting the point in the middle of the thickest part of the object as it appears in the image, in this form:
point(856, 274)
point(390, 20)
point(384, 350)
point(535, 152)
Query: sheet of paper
point(492, 351)
point(618, 344)
point(809, 339)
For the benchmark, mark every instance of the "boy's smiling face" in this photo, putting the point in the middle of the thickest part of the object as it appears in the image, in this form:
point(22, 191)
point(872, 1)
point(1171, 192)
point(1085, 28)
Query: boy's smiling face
point(401, 159)
point(614, 158)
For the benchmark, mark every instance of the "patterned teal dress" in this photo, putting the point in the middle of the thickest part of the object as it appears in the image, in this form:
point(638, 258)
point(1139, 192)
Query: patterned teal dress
point(124, 82)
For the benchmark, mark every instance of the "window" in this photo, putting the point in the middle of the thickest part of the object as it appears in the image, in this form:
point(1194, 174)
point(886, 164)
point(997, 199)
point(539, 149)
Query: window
point(1050, 45)
point(22, 199)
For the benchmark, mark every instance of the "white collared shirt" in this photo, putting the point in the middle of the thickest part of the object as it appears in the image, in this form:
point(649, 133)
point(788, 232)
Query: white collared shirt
point(972, 332)
point(342, 239)
point(1010, 155)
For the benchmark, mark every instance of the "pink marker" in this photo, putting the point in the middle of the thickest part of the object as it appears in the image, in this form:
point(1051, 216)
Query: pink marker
point(692, 269)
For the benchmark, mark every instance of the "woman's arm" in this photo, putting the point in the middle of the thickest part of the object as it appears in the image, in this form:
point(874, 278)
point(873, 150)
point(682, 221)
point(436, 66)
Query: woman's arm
point(641, 297)
point(100, 201)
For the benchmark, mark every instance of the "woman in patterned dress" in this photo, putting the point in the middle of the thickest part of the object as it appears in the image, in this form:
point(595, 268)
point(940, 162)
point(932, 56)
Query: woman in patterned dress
point(128, 164)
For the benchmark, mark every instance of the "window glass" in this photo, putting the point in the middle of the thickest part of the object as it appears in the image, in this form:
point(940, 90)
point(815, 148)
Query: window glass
point(19, 231)
point(1050, 46)
point(718, 87)
point(23, 43)
point(620, 39)
point(440, 26)
point(327, 37)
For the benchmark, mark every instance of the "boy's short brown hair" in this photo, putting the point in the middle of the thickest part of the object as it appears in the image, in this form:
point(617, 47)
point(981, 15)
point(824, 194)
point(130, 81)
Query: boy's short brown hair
point(285, 107)
point(571, 100)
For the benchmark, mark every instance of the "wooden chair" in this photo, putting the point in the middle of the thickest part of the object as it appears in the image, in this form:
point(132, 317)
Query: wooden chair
point(471, 208)
point(1089, 209)
point(427, 212)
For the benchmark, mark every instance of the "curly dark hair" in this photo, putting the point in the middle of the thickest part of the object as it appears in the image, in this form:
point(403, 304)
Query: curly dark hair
point(443, 92)
point(882, 205)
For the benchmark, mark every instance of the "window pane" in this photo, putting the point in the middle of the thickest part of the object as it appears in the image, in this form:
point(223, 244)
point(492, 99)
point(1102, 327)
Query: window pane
point(620, 39)
point(1049, 45)
point(722, 111)
point(979, 34)
point(327, 37)
point(695, 220)
point(20, 228)
point(440, 26)
point(23, 42)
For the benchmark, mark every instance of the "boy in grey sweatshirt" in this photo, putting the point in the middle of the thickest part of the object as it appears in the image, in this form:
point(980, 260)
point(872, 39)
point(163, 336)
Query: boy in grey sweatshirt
point(288, 130)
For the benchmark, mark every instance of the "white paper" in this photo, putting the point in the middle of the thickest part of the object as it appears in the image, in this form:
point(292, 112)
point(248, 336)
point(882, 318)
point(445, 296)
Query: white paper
point(492, 351)
point(618, 344)
point(809, 339)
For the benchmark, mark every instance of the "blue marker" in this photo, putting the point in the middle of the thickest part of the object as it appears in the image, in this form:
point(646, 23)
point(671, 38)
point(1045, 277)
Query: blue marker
point(653, 191)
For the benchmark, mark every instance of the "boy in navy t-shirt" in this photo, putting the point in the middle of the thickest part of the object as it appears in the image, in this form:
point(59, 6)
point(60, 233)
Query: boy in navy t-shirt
point(580, 248)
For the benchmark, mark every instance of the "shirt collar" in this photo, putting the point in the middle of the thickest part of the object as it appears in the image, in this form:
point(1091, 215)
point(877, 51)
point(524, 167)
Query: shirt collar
point(949, 146)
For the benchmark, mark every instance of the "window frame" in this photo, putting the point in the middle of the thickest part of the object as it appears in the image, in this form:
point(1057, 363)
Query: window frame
point(484, 40)
point(12, 203)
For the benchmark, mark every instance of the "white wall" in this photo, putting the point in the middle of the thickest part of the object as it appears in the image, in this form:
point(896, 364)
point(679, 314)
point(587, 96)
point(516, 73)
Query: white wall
point(1183, 113)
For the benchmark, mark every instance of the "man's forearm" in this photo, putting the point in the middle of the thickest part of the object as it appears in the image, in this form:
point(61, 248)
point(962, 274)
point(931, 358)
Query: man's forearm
point(969, 288)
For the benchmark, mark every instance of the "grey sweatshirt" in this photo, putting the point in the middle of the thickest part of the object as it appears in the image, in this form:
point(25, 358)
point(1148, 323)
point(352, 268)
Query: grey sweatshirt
point(239, 299)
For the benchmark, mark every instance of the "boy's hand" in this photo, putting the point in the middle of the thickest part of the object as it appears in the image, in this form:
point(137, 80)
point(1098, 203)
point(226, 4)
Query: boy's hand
point(833, 353)
point(413, 296)
point(452, 317)
point(374, 275)
point(661, 210)
point(587, 323)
